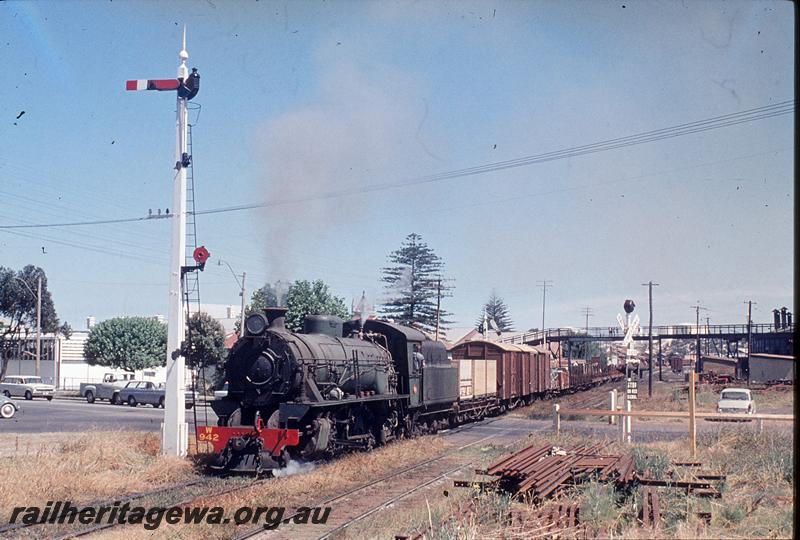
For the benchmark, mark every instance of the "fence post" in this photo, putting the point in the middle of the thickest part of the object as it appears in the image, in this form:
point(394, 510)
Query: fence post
point(760, 426)
point(613, 419)
point(557, 419)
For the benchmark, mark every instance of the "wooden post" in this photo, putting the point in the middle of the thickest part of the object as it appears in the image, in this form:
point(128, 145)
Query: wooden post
point(760, 426)
point(557, 419)
point(613, 419)
point(692, 420)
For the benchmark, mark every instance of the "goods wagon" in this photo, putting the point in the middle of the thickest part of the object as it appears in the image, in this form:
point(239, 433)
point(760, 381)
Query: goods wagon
point(511, 374)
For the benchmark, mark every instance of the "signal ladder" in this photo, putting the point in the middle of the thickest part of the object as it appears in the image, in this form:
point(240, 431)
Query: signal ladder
point(191, 280)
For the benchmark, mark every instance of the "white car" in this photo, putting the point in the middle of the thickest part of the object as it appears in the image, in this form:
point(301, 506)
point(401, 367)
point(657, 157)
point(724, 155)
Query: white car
point(736, 400)
point(222, 392)
point(7, 407)
point(26, 386)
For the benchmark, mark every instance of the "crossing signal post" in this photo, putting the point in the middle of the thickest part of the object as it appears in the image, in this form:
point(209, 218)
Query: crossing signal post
point(630, 326)
point(174, 439)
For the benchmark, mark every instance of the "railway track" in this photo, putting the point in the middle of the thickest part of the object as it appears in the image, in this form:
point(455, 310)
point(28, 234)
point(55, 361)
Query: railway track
point(434, 469)
point(64, 532)
point(10, 528)
point(359, 503)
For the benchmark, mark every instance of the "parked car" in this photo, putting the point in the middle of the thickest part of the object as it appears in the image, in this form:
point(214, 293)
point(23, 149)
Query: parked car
point(26, 386)
point(108, 389)
point(222, 392)
point(736, 400)
point(147, 393)
point(8, 407)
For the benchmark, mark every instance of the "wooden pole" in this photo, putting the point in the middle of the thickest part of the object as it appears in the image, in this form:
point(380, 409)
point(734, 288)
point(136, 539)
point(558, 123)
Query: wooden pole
point(692, 419)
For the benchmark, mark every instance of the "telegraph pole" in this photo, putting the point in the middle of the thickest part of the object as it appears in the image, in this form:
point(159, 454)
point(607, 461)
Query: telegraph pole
point(38, 319)
point(650, 286)
point(438, 304)
point(698, 361)
point(544, 284)
point(587, 312)
point(749, 336)
point(174, 440)
point(241, 293)
point(241, 310)
point(39, 327)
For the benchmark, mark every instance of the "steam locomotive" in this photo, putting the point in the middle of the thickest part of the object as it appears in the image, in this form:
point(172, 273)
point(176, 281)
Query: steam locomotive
point(339, 386)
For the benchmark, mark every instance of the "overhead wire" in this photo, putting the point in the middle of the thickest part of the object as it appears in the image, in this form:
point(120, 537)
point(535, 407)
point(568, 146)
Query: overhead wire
point(749, 115)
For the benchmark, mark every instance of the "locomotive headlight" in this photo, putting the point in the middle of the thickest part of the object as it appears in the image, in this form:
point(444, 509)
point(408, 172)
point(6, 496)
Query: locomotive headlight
point(255, 324)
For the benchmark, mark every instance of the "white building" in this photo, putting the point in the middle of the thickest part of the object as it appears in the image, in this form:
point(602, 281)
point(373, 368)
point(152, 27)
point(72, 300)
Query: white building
point(64, 365)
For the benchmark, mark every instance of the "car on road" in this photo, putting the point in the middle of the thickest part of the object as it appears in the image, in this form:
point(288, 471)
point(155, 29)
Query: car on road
point(8, 407)
point(26, 386)
point(147, 393)
point(737, 401)
point(222, 392)
point(108, 389)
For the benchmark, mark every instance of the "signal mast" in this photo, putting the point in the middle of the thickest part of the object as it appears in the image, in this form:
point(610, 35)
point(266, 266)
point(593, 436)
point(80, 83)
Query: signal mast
point(174, 440)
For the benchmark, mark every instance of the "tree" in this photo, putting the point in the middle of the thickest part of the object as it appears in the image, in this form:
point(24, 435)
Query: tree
point(65, 330)
point(128, 343)
point(18, 291)
point(264, 297)
point(206, 341)
point(414, 285)
point(496, 310)
point(311, 298)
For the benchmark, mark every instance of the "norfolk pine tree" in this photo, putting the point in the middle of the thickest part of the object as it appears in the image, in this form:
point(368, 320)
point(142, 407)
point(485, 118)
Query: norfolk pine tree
point(496, 310)
point(413, 283)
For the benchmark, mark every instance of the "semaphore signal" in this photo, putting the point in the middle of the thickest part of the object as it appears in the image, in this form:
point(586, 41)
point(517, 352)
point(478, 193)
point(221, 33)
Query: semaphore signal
point(174, 431)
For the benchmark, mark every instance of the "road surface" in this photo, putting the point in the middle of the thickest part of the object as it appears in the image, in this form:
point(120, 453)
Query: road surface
point(70, 415)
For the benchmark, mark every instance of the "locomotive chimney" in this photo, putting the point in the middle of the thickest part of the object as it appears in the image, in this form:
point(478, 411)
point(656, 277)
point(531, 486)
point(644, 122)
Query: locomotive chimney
point(276, 317)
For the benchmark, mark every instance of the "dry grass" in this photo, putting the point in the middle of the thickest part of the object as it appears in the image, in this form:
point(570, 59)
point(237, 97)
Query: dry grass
point(85, 467)
point(757, 495)
point(300, 490)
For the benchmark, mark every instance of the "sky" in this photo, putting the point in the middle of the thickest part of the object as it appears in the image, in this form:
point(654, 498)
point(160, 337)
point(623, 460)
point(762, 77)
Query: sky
point(308, 106)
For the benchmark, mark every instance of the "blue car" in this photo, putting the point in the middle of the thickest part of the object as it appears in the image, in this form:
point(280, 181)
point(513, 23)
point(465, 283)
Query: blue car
point(8, 408)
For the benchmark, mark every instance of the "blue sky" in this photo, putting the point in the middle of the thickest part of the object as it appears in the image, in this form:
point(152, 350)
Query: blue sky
point(306, 98)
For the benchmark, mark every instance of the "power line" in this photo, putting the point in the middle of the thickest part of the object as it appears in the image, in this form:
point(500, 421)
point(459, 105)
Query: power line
point(708, 124)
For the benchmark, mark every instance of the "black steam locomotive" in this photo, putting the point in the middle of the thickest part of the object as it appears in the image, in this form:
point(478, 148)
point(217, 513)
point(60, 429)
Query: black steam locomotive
point(336, 386)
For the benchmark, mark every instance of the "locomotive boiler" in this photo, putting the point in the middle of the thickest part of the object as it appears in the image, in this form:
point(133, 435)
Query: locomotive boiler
point(336, 386)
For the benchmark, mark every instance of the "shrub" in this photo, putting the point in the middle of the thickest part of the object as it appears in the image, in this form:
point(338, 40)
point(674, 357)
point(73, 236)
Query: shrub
point(733, 514)
point(599, 505)
point(653, 461)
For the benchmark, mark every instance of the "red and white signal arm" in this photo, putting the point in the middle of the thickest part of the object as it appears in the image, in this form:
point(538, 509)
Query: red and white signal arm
point(152, 84)
point(201, 255)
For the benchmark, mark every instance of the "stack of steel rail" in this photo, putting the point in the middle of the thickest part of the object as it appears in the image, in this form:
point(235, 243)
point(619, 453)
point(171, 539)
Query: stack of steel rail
point(540, 471)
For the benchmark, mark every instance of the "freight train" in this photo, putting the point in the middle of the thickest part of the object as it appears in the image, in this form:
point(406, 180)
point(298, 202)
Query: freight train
point(340, 386)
